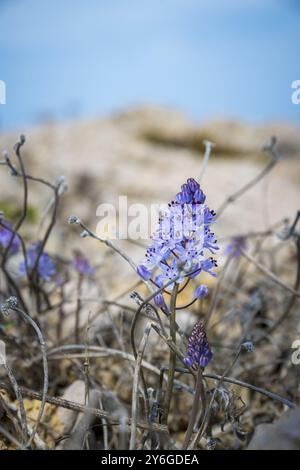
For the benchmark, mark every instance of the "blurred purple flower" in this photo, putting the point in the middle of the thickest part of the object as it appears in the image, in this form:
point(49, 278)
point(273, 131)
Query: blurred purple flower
point(235, 246)
point(81, 263)
point(46, 266)
point(6, 236)
point(199, 351)
point(61, 278)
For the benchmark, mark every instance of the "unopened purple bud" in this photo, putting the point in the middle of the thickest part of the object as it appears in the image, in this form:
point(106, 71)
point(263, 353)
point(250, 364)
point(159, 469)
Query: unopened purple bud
point(179, 198)
point(205, 358)
point(159, 301)
point(199, 196)
point(199, 351)
point(186, 189)
point(186, 197)
point(188, 361)
point(201, 291)
point(193, 185)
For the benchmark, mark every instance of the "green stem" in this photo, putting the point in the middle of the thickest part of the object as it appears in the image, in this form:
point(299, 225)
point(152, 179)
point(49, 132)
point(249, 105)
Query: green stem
point(172, 353)
point(199, 395)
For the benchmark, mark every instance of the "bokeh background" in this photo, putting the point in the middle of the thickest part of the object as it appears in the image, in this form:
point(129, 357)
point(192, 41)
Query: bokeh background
point(62, 59)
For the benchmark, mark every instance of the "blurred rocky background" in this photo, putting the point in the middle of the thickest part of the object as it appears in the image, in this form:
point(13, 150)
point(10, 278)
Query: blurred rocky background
point(146, 153)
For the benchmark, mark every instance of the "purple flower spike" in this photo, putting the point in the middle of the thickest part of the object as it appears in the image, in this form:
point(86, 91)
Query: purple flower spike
point(182, 239)
point(199, 351)
point(82, 264)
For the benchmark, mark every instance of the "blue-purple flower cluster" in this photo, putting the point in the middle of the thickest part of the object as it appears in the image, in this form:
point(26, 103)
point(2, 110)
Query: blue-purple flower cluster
point(198, 351)
point(45, 266)
point(182, 241)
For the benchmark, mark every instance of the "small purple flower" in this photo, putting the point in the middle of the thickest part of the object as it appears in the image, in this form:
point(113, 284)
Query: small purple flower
point(46, 267)
point(81, 263)
point(143, 272)
point(208, 265)
point(160, 302)
point(201, 291)
point(7, 237)
point(169, 272)
point(235, 246)
point(199, 351)
point(159, 299)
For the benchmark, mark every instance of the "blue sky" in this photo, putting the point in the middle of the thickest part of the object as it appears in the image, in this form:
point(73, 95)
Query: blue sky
point(208, 58)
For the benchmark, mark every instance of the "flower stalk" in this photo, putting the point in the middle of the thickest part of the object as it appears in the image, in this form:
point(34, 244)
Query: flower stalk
point(172, 361)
